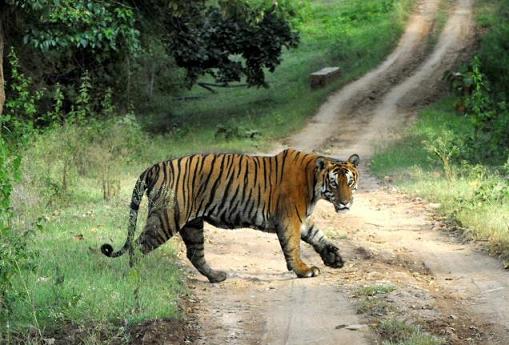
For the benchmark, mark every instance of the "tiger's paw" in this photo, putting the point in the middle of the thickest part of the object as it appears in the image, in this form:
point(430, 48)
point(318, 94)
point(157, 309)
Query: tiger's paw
point(330, 256)
point(313, 271)
point(217, 276)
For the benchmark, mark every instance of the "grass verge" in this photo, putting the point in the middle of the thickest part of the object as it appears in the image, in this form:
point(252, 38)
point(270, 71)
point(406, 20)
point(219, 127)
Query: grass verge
point(373, 303)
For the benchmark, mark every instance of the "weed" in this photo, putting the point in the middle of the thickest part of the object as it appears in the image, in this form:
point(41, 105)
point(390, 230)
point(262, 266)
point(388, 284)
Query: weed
point(376, 289)
point(396, 332)
point(372, 301)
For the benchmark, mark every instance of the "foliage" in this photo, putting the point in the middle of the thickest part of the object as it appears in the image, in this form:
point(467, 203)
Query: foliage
point(210, 40)
point(445, 146)
point(494, 49)
point(490, 119)
point(116, 41)
point(91, 146)
point(21, 107)
point(84, 24)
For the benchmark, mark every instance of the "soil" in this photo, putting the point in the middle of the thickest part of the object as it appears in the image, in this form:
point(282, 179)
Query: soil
point(448, 287)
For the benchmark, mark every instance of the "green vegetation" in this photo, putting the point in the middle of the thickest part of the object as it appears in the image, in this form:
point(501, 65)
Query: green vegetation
point(396, 332)
point(377, 289)
point(457, 154)
point(391, 331)
point(372, 301)
point(72, 154)
point(134, 47)
point(427, 163)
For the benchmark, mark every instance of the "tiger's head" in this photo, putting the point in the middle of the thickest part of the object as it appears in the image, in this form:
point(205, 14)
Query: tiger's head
point(338, 180)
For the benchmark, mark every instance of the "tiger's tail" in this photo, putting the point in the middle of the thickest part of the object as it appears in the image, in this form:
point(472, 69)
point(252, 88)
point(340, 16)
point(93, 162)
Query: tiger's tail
point(139, 190)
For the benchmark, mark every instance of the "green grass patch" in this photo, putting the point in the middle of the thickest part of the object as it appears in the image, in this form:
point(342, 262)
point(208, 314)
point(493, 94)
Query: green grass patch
point(396, 332)
point(475, 195)
point(372, 300)
point(376, 289)
point(73, 281)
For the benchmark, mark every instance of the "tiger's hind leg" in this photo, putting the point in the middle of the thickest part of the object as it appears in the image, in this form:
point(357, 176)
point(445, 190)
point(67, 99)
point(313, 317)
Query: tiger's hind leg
point(192, 234)
point(155, 233)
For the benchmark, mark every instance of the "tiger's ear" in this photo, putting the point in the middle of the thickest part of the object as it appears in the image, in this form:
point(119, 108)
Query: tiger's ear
point(320, 163)
point(354, 159)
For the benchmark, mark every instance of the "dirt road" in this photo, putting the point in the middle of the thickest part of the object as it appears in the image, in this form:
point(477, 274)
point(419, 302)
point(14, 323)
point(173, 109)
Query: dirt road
point(447, 286)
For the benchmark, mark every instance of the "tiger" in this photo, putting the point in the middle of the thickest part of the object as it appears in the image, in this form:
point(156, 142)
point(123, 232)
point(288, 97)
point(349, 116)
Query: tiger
point(275, 194)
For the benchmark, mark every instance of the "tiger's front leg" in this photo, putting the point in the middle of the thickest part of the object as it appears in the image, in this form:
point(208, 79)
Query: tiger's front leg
point(328, 251)
point(289, 238)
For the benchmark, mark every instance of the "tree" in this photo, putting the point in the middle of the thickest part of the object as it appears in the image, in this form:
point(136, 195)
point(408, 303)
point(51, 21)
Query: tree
point(67, 36)
point(228, 40)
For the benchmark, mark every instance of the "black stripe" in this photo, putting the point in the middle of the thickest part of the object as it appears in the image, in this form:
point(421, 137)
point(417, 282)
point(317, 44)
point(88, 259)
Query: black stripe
point(215, 184)
point(296, 156)
point(230, 178)
point(134, 206)
point(204, 184)
point(264, 173)
point(297, 211)
point(255, 161)
point(285, 154)
point(276, 167)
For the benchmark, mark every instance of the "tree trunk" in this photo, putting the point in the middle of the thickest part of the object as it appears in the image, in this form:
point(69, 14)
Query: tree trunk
point(2, 88)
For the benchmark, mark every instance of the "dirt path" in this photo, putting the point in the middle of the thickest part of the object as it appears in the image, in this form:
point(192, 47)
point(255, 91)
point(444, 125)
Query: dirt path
point(449, 287)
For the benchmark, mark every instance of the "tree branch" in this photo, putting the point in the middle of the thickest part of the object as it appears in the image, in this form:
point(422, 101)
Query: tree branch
point(209, 86)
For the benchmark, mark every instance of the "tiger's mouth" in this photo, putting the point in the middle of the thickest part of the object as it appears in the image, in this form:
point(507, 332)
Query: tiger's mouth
point(341, 208)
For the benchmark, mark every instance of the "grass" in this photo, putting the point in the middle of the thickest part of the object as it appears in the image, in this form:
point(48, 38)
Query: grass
point(372, 301)
point(68, 280)
point(476, 195)
point(396, 332)
point(73, 281)
point(390, 330)
point(377, 289)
